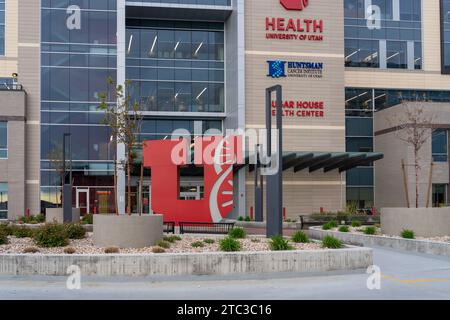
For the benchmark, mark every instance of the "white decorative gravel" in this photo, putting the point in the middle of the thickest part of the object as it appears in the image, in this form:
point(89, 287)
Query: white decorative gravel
point(360, 230)
point(86, 246)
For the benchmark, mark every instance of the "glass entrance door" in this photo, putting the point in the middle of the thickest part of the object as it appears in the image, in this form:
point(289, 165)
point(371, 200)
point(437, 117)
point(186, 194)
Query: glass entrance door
point(82, 201)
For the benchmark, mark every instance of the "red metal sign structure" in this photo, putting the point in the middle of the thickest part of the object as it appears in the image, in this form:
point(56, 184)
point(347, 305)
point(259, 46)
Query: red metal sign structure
point(294, 4)
point(216, 155)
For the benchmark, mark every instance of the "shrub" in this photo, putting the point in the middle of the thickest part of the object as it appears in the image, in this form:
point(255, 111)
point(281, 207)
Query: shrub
point(247, 219)
point(332, 243)
point(300, 237)
point(172, 239)
point(75, 231)
point(326, 226)
point(22, 232)
point(240, 218)
point(356, 224)
point(209, 241)
point(197, 244)
point(229, 244)
point(110, 250)
point(237, 233)
point(408, 234)
point(5, 227)
point(87, 219)
point(51, 235)
point(278, 243)
point(30, 250)
point(164, 244)
point(158, 250)
point(3, 237)
point(69, 250)
point(333, 224)
point(370, 230)
point(343, 229)
point(40, 218)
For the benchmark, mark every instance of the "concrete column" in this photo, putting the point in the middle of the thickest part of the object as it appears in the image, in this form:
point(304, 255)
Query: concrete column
point(121, 39)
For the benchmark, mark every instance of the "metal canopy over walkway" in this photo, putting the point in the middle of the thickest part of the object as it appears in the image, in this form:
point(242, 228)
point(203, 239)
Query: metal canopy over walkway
point(326, 161)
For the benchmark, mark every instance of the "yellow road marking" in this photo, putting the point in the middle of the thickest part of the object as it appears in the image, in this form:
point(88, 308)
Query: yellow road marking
point(416, 281)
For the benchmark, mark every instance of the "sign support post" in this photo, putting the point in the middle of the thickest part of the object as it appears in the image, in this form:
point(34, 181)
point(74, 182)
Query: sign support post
point(274, 180)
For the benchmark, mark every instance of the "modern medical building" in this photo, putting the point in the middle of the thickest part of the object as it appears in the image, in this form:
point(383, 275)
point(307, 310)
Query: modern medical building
point(205, 64)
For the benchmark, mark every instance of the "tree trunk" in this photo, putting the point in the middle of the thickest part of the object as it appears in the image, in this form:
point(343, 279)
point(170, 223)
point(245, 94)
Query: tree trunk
point(141, 202)
point(129, 188)
point(416, 166)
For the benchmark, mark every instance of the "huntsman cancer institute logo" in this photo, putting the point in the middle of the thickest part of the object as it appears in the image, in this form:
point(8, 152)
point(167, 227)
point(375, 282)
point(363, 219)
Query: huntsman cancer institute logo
point(277, 69)
point(294, 4)
point(295, 69)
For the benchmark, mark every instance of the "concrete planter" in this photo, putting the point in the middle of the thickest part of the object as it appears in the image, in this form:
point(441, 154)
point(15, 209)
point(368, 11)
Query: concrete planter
point(56, 214)
point(182, 264)
point(125, 231)
point(425, 222)
point(418, 246)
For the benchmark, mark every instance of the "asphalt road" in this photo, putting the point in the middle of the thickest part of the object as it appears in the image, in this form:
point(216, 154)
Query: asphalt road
point(403, 276)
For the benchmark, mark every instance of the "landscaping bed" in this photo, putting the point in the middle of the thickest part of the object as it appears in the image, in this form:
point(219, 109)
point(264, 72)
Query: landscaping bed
point(51, 248)
point(406, 241)
point(367, 230)
point(86, 245)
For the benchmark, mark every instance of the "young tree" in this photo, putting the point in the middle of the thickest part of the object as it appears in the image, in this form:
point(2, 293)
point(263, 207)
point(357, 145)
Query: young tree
point(55, 157)
point(414, 127)
point(124, 118)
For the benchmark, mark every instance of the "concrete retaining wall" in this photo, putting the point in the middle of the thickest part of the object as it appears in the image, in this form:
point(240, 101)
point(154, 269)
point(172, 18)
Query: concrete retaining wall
point(425, 222)
point(419, 246)
point(189, 264)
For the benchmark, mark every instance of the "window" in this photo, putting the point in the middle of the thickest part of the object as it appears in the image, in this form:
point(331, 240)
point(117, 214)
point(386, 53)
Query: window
point(2, 27)
point(3, 140)
point(176, 66)
point(439, 195)
point(392, 39)
point(439, 145)
point(3, 200)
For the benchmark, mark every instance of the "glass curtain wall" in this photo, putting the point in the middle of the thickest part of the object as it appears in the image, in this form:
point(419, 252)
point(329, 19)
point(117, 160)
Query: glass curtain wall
point(2, 27)
point(176, 69)
point(195, 2)
point(176, 66)
point(78, 54)
point(360, 106)
point(383, 34)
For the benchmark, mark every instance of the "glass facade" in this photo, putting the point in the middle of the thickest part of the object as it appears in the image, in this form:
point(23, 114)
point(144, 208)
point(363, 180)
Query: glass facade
point(359, 109)
point(195, 2)
point(3, 200)
point(78, 54)
point(383, 34)
point(439, 145)
point(3, 139)
point(176, 66)
point(445, 35)
point(2, 27)
point(360, 105)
